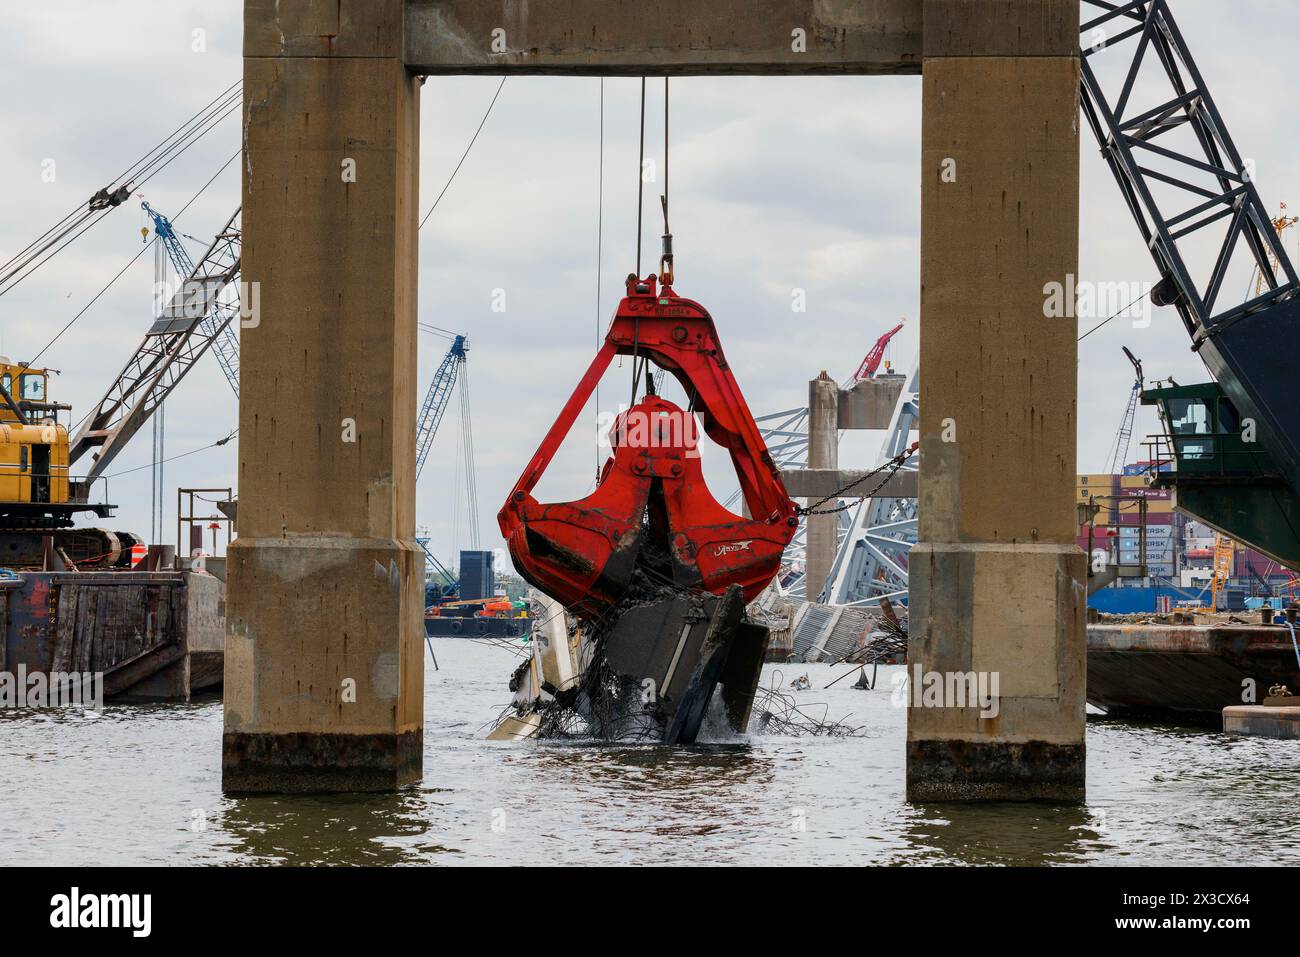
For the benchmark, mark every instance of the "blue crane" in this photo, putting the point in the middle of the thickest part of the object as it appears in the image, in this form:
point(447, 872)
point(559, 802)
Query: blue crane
point(443, 585)
point(224, 343)
point(435, 400)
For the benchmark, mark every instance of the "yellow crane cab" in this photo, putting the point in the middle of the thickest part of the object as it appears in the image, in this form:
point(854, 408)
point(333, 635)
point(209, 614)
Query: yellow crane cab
point(34, 484)
point(33, 443)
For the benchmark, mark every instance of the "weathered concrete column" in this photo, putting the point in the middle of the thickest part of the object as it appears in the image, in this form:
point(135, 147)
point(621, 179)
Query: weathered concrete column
point(324, 672)
point(823, 453)
point(997, 583)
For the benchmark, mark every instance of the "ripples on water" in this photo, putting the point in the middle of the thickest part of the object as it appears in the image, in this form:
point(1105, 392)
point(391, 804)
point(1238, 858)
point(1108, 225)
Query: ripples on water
point(142, 785)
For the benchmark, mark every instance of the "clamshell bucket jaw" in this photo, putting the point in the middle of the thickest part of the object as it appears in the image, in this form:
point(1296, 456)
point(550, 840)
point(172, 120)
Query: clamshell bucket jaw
point(652, 505)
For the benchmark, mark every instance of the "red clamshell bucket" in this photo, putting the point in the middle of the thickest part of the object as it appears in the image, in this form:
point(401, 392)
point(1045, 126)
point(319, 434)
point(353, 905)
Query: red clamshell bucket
point(652, 492)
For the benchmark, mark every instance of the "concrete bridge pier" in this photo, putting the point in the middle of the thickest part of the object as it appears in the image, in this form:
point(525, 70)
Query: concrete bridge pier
point(323, 664)
point(823, 453)
point(324, 667)
point(997, 583)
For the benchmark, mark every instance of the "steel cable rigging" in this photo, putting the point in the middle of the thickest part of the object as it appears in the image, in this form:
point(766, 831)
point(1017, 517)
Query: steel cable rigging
point(68, 229)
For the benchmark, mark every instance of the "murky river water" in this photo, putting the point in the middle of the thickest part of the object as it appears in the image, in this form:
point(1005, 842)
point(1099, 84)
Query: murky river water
point(142, 785)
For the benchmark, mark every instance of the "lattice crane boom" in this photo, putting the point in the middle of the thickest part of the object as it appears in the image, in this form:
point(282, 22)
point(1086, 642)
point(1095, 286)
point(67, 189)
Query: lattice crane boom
point(186, 328)
point(1202, 194)
point(436, 399)
point(873, 358)
point(225, 344)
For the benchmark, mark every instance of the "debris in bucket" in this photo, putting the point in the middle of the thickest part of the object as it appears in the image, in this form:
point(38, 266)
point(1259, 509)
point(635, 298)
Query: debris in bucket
point(584, 680)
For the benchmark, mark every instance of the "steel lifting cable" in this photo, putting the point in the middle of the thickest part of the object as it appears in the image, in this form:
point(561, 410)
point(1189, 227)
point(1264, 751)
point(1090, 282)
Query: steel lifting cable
point(666, 259)
point(123, 176)
point(32, 361)
point(471, 472)
point(640, 204)
point(473, 139)
point(666, 256)
point(58, 237)
point(600, 248)
point(152, 163)
point(1115, 316)
point(640, 181)
point(212, 445)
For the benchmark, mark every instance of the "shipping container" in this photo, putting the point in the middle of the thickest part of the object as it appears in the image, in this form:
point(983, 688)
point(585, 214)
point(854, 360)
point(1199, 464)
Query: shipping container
point(477, 575)
point(1152, 495)
point(1130, 556)
point(1247, 559)
point(1138, 491)
point(1157, 533)
point(1131, 517)
point(1143, 468)
point(1100, 480)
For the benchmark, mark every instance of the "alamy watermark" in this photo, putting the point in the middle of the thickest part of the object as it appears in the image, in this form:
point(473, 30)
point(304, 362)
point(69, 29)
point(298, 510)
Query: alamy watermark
point(650, 429)
point(54, 689)
point(918, 688)
point(1073, 299)
point(129, 911)
point(195, 298)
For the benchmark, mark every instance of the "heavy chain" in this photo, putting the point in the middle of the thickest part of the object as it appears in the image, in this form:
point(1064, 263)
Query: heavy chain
point(893, 465)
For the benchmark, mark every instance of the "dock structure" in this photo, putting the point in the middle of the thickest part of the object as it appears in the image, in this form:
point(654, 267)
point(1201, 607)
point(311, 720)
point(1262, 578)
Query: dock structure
point(1282, 723)
point(323, 664)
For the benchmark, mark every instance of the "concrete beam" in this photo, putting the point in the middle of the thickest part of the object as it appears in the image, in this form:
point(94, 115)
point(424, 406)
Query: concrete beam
point(869, 404)
point(997, 583)
point(324, 669)
point(818, 483)
point(665, 38)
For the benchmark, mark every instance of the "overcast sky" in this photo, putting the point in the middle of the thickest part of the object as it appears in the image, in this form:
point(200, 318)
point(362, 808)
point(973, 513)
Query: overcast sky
point(777, 184)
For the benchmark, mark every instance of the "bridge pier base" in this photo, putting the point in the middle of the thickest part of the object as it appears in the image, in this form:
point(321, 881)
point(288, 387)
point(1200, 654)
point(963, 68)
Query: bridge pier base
point(997, 583)
point(324, 654)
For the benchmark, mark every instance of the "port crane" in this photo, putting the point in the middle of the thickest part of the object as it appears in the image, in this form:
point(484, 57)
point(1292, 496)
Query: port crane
point(1224, 550)
point(1281, 224)
point(1236, 440)
point(225, 345)
point(1124, 438)
point(435, 404)
point(436, 399)
point(195, 316)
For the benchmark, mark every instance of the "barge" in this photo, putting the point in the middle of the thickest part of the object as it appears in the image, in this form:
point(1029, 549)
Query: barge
point(1187, 673)
point(152, 636)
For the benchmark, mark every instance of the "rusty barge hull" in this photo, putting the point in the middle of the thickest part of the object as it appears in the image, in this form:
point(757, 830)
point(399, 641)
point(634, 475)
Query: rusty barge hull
point(1186, 673)
point(155, 636)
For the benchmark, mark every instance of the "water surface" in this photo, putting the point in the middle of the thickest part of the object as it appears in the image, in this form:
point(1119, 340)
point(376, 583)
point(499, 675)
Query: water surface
point(142, 785)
